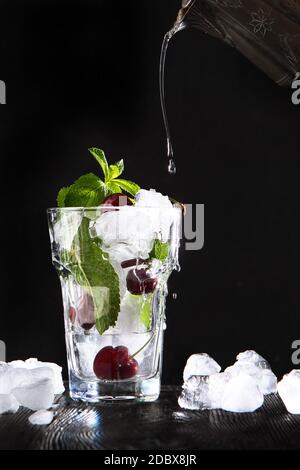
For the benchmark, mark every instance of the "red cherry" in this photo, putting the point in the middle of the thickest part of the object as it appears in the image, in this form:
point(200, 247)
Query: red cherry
point(121, 353)
point(87, 326)
point(116, 200)
point(129, 369)
point(104, 363)
point(139, 281)
point(85, 312)
point(72, 314)
point(128, 263)
point(114, 364)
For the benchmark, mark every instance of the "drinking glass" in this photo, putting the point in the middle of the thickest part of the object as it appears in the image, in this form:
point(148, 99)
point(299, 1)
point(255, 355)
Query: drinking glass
point(113, 269)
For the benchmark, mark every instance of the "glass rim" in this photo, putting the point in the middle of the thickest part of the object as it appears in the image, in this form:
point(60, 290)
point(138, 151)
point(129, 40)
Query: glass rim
point(93, 208)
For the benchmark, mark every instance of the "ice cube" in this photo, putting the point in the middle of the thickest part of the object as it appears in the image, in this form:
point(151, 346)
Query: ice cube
point(14, 377)
point(5, 385)
point(18, 377)
point(241, 394)
point(129, 315)
point(41, 373)
point(41, 417)
point(66, 228)
point(36, 396)
point(17, 363)
point(289, 391)
point(152, 199)
point(3, 367)
point(267, 382)
point(59, 388)
point(86, 353)
point(252, 357)
point(251, 363)
point(200, 364)
point(161, 210)
point(217, 384)
point(128, 225)
point(194, 395)
point(33, 363)
point(8, 403)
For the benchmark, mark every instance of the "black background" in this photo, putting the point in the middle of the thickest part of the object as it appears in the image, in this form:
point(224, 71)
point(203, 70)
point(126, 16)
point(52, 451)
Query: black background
point(85, 73)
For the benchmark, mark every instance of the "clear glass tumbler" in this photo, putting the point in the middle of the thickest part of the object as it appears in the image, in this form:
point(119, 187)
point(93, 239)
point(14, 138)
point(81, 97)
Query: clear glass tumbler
point(113, 264)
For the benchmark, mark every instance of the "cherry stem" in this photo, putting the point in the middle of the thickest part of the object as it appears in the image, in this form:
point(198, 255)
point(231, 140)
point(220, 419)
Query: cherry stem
point(144, 345)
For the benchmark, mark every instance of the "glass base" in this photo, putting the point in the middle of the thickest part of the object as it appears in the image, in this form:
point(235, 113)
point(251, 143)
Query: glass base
point(141, 390)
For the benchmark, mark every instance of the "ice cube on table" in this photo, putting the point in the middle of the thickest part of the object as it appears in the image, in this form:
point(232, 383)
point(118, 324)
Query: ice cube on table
point(252, 357)
point(216, 389)
point(242, 394)
point(203, 392)
point(41, 417)
point(194, 395)
point(41, 373)
point(14, 377)
point(289, 391)
point(17, 363)
point(200, 364)
point(5, 383)
point(268, 382)
point(34, 363)
point(3, 367)
point(251, 363)
point(19, 377)
point(8, 403)
point(36, 396)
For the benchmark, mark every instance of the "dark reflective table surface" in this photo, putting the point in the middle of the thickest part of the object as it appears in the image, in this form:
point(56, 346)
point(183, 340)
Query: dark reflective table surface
point(161, 425)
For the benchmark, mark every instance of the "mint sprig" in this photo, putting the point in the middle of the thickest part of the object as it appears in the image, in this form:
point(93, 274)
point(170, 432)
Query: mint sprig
point(92, 270)
point(128, 186)
point(87, 191)
point(100, 157)
point(61, 197)
point(90, 190)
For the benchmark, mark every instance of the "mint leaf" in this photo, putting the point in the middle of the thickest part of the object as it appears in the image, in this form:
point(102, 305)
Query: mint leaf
point(92, 270)
point(61, 197)
point(128, 186)
point(114, 187)
point(90, 190)
point(116, 169)
point(160, 250)
point(99, 155)
point(146, 311)
point(87, 191)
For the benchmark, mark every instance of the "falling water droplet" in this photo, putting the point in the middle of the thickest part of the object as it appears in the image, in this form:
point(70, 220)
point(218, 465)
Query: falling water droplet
point(174, 295)
point(170, 155)
point(171, 167)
